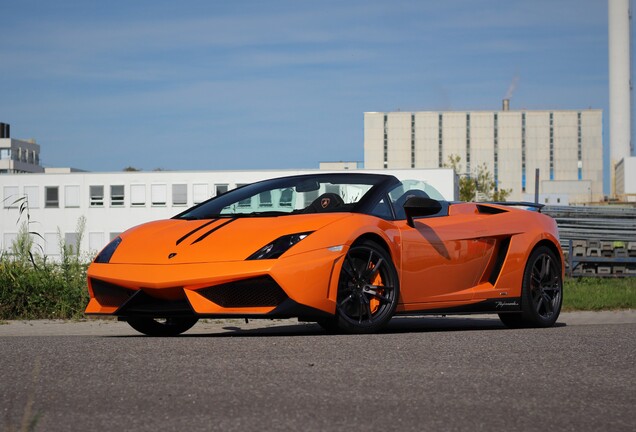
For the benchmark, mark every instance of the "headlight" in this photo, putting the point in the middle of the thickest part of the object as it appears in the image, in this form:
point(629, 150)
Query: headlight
point(105, 255)
point(278, 247)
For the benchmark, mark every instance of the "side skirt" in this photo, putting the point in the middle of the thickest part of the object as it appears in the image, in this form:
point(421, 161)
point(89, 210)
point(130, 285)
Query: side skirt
point(498, 305)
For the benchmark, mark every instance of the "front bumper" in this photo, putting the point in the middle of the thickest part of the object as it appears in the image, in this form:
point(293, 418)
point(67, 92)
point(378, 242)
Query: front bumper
point(303, 285)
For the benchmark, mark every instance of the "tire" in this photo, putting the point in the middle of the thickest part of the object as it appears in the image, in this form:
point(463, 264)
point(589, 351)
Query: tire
point(161, 327)
point(368, 291)
point(541, 292)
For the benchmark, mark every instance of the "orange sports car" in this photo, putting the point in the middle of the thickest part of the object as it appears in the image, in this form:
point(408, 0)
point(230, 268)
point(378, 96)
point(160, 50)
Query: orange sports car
point(348, 251)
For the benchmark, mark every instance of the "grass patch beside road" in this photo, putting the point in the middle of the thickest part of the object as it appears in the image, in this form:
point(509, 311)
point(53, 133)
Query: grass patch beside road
point(44, 290)
point(599, 294)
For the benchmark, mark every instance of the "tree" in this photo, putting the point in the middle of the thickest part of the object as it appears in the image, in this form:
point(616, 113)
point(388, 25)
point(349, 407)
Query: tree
point(478, 185)
point(131, 168)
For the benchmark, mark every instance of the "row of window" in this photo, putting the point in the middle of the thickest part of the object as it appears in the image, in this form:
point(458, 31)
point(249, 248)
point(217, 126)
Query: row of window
point(112, 195)
point(20, 155)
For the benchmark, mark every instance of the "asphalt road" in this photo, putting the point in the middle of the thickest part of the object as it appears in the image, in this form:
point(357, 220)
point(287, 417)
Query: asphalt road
point(422, 374)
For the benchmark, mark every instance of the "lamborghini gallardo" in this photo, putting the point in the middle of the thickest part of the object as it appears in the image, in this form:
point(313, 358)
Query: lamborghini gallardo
point(346, 250)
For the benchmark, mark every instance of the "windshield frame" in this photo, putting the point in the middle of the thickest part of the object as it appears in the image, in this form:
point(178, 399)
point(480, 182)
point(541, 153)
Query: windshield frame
point(380, 183)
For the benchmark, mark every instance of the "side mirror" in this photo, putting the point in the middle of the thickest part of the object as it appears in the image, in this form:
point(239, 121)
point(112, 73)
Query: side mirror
point(418, 206)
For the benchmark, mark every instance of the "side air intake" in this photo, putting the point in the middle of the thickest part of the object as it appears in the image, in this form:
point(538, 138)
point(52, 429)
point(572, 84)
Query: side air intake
point(502, 251)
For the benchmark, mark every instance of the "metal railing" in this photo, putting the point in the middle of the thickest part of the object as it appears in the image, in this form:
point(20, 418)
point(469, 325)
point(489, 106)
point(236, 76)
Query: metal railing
point(597, 241)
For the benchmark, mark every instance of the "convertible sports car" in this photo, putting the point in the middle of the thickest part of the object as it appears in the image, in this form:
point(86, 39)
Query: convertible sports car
point(348, 251)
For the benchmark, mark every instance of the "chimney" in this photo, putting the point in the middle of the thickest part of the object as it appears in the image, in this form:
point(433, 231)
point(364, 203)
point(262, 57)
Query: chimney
point(506, 105)
point(2, 130)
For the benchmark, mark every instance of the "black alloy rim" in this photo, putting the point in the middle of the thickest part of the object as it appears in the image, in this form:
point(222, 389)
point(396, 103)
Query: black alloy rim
point(367, 287)
point(545, 286)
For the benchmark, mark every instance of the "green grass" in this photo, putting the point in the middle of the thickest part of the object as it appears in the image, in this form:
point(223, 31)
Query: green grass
point(599, 294)
point(58, 290)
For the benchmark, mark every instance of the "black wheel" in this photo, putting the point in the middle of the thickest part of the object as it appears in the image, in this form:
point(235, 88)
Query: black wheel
point(368, 291)
point(161, 326)
point(542, 292)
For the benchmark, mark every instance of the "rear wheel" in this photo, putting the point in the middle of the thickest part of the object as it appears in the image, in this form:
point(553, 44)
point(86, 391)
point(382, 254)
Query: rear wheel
point(542, 292)
point(368, 291)
point(161, 326)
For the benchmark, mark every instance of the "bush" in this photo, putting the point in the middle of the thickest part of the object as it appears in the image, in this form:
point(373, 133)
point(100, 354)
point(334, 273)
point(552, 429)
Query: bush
point(47, 290)
point(31, 287)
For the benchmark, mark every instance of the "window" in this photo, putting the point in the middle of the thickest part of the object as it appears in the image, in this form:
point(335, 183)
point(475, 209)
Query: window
point(117, 196)
point(551, 146)
point(8, 239)
point(51, 197)
point(10, 196)
point(70, 243)
point(138, 195)
point(158, 194)
point(51, 245)
point(440, 136)
point(95, 241)
point(286, 197)
point(386, 141)
point(412, 140)
point(265, 199)
point(114, 235)
point(97, 196)
point(199, 193)
point(71, 196)
point(179, 194)
point(33, 196)
point(221, 189)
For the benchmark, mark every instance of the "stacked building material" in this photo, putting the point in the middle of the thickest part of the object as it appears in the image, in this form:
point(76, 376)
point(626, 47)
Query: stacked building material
point(597, 241)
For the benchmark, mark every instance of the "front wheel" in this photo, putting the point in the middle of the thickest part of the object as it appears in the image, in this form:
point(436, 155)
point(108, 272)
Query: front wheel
point(368, 290)
point(161, 326)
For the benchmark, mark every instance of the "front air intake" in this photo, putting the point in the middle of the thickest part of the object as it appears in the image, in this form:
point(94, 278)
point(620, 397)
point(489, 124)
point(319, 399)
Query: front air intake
point(108, 294)
point(257, 292)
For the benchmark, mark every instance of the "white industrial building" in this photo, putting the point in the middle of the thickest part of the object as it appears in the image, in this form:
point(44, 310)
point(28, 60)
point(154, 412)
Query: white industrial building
point(565, 145)
point(112, 202)
point(622, 163)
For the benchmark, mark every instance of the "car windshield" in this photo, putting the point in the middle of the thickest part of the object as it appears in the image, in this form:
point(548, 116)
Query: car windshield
point(319, 193)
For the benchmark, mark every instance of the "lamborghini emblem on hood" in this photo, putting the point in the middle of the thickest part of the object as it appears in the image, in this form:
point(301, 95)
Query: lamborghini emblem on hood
point(325, 202)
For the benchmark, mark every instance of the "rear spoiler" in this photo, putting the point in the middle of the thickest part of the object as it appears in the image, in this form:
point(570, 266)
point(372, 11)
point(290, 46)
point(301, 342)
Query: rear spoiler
point(533, 206)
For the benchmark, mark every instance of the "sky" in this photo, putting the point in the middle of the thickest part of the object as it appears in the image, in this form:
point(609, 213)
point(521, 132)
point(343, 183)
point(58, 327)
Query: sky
point(208, 85)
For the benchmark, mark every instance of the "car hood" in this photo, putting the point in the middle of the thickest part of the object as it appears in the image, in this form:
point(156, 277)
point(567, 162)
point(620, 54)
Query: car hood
point(179, 241)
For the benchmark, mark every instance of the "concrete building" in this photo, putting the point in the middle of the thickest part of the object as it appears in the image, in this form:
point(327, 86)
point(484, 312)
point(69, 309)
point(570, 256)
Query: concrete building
point(626, 179)
point(18, 156)
point(564, 145)
point(113, 202)
point(622, 163)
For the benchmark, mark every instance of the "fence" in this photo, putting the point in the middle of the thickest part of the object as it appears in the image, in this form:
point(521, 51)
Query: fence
point(597, 241)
